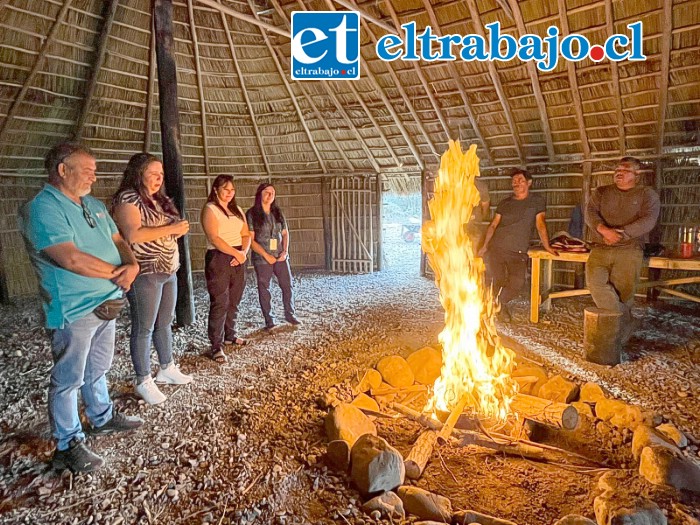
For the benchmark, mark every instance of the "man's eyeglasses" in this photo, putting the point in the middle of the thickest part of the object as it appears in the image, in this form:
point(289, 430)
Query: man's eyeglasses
point(88, 216)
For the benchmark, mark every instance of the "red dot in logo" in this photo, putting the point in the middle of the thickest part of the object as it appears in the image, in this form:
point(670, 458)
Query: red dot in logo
point(342, 71)
point(597, 53)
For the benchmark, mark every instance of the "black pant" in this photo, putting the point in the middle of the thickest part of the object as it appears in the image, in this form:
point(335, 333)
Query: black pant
point(283, 273)
point(506, 270)
point(225, 284)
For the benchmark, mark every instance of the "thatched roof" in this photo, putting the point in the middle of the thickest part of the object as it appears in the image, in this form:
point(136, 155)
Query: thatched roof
point(87, 68)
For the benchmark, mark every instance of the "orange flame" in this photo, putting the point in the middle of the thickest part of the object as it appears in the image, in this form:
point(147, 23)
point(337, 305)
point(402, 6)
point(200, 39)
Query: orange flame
point(475, 364)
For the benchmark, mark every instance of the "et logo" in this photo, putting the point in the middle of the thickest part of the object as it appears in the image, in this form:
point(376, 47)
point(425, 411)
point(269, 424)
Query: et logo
point(325, 45)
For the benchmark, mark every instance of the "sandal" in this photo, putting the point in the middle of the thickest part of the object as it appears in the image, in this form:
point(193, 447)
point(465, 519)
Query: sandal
point(238, 341)
point(219, 356)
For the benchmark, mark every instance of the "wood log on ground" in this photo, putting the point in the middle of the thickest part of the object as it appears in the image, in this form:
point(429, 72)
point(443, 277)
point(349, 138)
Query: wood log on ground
point(383, 391)
point(499, 442)
point(420, 454)
point(422, 449)
point(558, 415)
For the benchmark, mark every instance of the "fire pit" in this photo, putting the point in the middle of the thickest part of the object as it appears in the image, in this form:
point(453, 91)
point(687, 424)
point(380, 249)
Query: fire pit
point(449, 408)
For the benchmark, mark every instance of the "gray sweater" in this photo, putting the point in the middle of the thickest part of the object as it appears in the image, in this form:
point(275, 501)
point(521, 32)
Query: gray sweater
point(634, 211)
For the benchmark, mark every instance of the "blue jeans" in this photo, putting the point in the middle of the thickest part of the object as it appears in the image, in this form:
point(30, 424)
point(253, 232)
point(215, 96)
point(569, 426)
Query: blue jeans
point(82, 354)
point(152, 299)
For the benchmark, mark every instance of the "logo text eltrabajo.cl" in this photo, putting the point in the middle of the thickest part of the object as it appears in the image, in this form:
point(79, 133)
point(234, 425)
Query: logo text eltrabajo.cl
point(504, 47)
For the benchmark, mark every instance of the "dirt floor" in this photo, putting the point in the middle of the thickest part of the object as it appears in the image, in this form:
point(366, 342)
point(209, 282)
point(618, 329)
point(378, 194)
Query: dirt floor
point(245, 442)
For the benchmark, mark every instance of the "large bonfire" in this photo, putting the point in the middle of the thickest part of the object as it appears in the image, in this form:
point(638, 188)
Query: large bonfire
point(476, 367)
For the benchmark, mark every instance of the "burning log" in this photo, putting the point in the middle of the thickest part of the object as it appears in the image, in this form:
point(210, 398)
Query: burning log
point(494, 441)
point(397, 390)
point(559, 415)
point(449, 425)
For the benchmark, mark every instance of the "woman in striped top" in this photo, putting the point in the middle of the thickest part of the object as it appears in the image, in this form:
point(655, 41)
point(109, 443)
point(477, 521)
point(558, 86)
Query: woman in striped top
point(149, 221)
point(228, 242)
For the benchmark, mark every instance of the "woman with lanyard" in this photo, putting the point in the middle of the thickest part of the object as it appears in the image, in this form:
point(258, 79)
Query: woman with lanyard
point(270, 252)
point(228, 242)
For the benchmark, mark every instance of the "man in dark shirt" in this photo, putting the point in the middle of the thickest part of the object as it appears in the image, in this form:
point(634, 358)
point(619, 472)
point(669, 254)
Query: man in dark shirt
point(508, 238)
point(620, 217)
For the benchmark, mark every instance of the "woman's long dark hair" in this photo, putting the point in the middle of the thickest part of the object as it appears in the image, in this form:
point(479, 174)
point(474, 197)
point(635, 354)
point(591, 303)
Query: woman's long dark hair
point(213, 197)
point(257, 212)
point(133, 180)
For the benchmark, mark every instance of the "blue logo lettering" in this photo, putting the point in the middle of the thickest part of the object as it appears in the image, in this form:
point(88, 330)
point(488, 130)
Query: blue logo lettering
point(326, 45)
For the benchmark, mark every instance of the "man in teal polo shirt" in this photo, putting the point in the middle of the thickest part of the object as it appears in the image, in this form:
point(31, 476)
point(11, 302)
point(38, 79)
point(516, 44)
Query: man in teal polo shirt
point(81, 261)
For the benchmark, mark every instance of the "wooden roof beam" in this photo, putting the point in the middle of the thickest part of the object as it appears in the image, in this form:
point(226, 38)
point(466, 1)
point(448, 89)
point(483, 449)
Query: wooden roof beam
point(573, 84)
point(536, 89)
point(366, 109)
point(277, 60)
point(666, 44)
point(354, 7)
point(338, 105)
point(241, 81)
point(200, 87)
point(479, 28)
point(246, 18)
point(421, 76)
point(147, 127)
point(17, 102)
point(609, 16)
point(458, 82)
point(97, 66)
point(404, 96)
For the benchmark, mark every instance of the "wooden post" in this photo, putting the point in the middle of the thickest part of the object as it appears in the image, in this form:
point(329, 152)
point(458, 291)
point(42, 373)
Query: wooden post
point(327, 224)
point(172, 155)
point(425, 215)
point(380, 236)
point(601, 336)
point(535, 290)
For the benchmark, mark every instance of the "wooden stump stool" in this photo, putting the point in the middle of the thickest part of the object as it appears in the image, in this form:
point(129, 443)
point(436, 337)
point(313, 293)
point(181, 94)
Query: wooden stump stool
point(601, 336)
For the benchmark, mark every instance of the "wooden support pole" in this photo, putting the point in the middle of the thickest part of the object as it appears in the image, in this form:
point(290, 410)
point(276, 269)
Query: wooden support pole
point(172, 154)
point(110, 11)
point(379, 214)
point(327, 223)
point(560, 415)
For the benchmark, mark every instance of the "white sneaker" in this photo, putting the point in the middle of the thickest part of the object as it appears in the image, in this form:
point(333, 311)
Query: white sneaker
point(150, 392)
point(171, 375)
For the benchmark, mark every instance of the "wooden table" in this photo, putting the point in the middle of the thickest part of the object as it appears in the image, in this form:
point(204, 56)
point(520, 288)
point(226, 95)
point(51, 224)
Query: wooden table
point(541, 285)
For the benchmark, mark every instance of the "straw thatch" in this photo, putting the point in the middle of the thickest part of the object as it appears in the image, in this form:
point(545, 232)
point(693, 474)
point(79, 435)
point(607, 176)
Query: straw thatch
point(87, 68)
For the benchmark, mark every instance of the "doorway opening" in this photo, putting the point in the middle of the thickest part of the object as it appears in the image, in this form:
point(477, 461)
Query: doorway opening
point(401, 234)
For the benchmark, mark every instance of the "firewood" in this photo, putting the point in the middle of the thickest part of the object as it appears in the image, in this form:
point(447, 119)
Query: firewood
point(559, 415)
point(449, 425)
point(398, 390)
point(498, 442)
point(420, 454)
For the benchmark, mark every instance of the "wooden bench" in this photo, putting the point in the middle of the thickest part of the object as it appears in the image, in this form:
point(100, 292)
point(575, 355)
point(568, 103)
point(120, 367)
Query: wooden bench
point(541, 293)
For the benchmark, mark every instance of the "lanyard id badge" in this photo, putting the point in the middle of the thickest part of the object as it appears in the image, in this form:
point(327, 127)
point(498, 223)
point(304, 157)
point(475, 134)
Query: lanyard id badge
point(273, 245)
